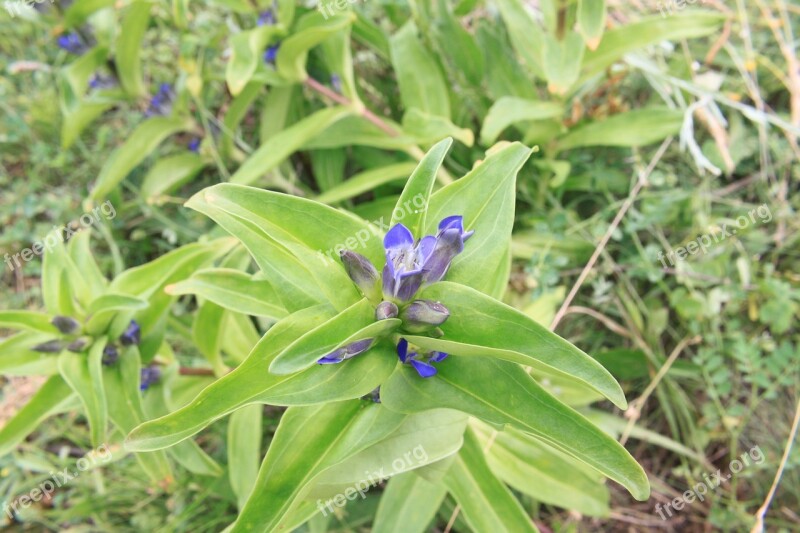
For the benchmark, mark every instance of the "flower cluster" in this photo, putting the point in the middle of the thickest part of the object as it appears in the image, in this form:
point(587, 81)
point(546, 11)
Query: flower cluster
point(410, 265)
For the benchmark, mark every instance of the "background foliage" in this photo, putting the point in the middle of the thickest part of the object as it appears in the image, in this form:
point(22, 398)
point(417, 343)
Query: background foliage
point(697, 111)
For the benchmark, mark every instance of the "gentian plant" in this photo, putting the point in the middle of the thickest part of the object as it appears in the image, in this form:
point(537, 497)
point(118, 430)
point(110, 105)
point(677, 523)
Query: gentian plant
point(411, 318)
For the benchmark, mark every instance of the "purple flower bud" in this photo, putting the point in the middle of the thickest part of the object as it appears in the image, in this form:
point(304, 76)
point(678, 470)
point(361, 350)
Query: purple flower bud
point(347, 352)
point(149, 376)
point(53, 346)
point(422, 315)
point(266, 18)
point(65, 324)
point(362, 272)
point(110, 355)
point(132, 335)
point(271, 53)
point(386, 310)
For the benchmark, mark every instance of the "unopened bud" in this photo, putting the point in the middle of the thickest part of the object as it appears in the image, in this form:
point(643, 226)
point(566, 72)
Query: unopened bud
point(346, 352)
point(65, 324)
point(110, 354)
point(386, 310)
point(78, 345)
point(423, 315)
point(132, 334)
point(362, 272)
point(53, 346)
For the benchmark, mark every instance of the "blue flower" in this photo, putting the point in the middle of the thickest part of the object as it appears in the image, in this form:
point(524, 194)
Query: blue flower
point(409, 264)
point(72, 43)
point(161, 102)
point(149, 376)
point(194, 145)
point(420, 361)
point(271, 53)
point(132, 335)
point(266, 18)
point(349, 351)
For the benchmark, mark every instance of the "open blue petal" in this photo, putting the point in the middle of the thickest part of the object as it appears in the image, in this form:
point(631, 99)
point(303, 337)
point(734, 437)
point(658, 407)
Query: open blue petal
point(425, 248)
point(453, 222)
point(408, 283)
point(398, 236)
point(438, 356)
point(402, 350)
point(423, 369)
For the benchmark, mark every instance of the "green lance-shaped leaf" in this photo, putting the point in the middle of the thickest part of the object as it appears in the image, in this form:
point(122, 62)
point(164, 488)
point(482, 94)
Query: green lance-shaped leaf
point(408, 504)
point(129, 46)
point(427, 129)
point(79, 250)
point(543, 473)
point(121, 382)
point(485, 198)
point(281, 145)
point(233, 290)
point(312, 29)
point(244, 450)
point(246, 51)
point(526, 35)
point(85, 376)
point(418, 189)
point(207, 333)
point(155, 402)
point(422, 439)
point(561, 61)
point(28, 321)
point(422, 83)
point(298, 254)
point(279, 267)
point(510, 110)
point(356, 323)
point(251, 382)
point(638, 35)
point(356, 130)
point(487, 504)
point(51, 398)
point(592, 21)
point(338, 58)
point(634, 128)
point(144, 139)
point(296, 221)
point(309, 440)
point(501, 393)
point(483, 327)
point(78, 12)
point(365, 181)
point(77, 118)
point(103, 309)
point(170, 173)
point(17, 358)
point(145, 280)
